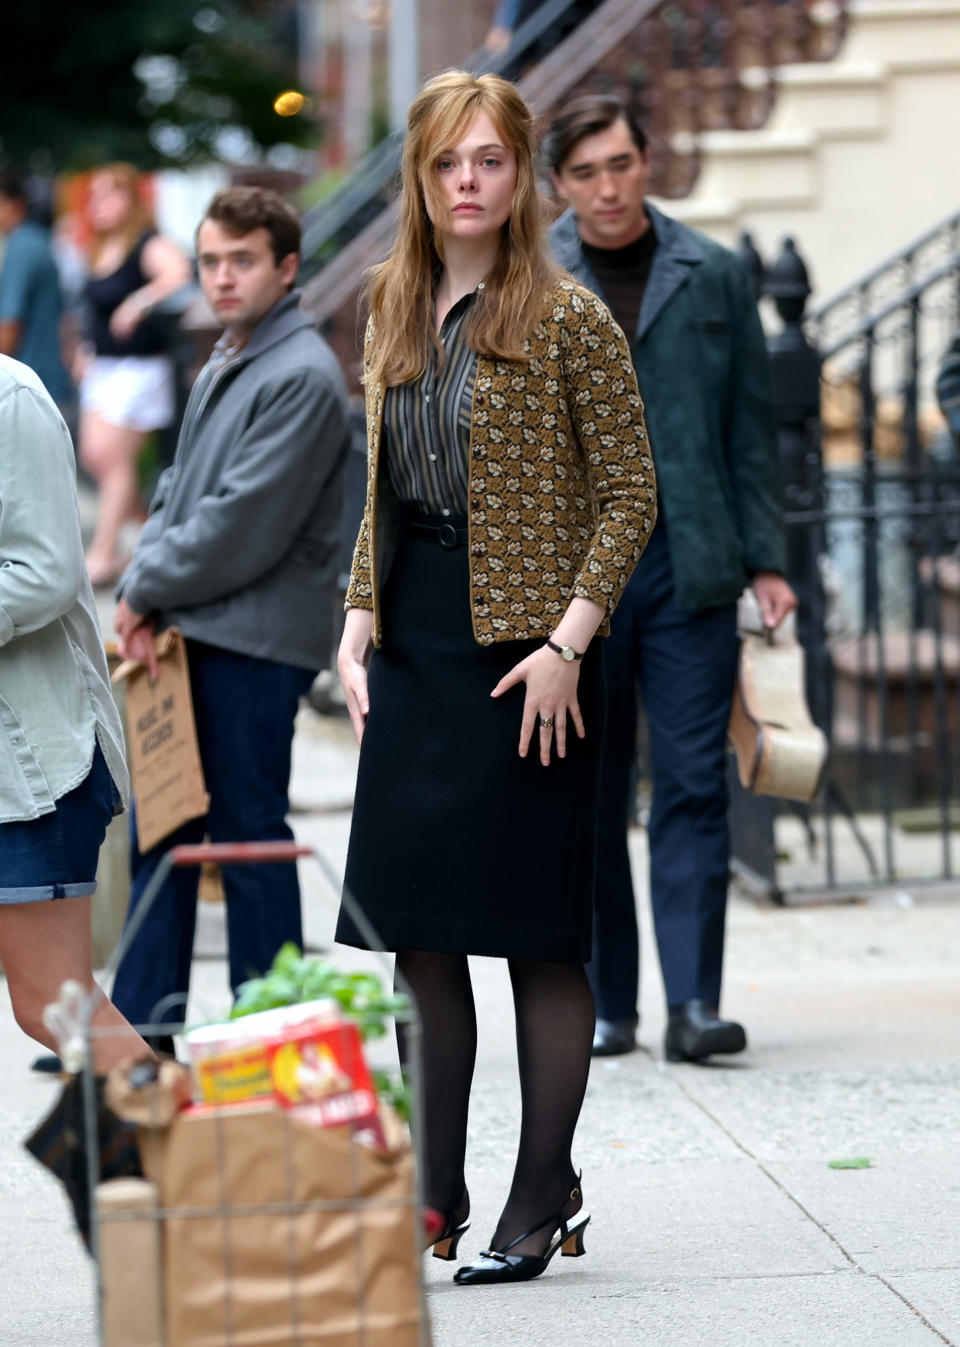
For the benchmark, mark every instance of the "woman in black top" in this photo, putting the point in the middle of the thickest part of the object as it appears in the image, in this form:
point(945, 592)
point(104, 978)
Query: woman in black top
point(124, 371)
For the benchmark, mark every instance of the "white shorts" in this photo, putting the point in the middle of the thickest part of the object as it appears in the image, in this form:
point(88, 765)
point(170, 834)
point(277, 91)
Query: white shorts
point(130, 390)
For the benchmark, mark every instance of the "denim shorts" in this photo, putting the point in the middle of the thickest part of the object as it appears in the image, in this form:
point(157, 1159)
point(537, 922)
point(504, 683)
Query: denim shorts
point(55, 856)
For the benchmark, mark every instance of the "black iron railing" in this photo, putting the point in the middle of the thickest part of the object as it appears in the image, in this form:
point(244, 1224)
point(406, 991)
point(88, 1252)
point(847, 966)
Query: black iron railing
point(872, 481)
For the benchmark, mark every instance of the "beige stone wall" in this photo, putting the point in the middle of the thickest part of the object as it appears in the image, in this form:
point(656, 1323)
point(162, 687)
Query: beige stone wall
point(859, 156)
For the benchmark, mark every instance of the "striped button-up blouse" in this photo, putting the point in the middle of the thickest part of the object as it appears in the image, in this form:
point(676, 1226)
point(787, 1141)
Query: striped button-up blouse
point(427, 424)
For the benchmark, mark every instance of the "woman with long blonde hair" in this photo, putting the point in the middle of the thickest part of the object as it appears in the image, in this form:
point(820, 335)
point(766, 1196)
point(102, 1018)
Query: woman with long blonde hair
point(510, 494)
point(124, 369)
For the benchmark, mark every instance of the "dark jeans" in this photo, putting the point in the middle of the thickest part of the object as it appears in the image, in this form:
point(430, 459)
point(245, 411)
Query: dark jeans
point(244, 710)
point(683, 665)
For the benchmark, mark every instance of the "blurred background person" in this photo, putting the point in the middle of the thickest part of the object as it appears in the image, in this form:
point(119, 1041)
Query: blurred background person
point(500, 33)
point(513, 14)
point(30, 298)
point(948, 388)
point(124, 368)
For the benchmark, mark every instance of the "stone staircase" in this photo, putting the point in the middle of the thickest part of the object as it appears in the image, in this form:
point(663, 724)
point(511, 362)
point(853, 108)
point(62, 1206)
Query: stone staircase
point(858, 153)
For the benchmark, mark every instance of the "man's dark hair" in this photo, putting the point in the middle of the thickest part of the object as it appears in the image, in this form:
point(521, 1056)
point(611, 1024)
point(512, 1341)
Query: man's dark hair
point(12, 188)
point(240, 210)
point(584, 117)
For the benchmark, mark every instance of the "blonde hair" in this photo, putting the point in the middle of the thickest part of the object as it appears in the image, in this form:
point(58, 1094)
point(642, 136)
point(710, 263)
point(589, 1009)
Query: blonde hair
point(401, 288)
point(140, 218)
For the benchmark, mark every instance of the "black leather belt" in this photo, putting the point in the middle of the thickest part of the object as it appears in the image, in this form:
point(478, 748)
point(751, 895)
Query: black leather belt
point(447, 535)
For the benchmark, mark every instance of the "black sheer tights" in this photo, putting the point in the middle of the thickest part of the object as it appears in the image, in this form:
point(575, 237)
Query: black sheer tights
point(555, 1021)
point(441, 987)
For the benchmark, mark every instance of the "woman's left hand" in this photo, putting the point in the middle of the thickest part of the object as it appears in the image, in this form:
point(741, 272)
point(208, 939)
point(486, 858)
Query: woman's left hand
point(551, 696)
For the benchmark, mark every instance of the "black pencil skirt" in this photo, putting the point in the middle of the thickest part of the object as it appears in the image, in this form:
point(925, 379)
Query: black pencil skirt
point(458, 845)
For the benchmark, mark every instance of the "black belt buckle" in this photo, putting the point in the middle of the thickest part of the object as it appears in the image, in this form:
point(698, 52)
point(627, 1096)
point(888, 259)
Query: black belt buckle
point(447, 537)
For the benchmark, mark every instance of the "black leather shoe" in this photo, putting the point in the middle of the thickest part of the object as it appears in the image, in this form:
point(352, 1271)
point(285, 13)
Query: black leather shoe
point(695, 1031)
point(48, 1064)
point(613, 1037)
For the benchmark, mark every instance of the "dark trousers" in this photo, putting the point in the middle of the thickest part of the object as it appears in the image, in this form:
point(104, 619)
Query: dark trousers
point(683, 665)
point(244, 710)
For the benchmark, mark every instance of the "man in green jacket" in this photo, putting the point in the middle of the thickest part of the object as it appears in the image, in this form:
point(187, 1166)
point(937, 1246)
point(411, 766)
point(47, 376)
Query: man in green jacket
point(700, 357)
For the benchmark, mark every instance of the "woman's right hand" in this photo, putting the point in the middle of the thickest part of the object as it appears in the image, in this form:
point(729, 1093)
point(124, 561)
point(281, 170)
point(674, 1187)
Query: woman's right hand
point(352, 659)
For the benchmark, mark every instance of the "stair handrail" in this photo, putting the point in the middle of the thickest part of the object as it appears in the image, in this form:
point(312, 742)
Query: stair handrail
point(377, 169)
point(911, 289)
point(875, 317)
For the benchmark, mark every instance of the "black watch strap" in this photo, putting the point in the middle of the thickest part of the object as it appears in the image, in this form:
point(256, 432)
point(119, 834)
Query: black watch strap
point(559, 649)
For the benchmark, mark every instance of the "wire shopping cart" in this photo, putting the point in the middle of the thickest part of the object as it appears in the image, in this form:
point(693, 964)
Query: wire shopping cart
point(251, 1227)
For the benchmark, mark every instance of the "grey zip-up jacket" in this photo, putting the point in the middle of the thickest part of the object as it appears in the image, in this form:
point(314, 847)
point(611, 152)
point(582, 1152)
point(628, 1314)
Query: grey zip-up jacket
point(240, 549)
point(55, 698)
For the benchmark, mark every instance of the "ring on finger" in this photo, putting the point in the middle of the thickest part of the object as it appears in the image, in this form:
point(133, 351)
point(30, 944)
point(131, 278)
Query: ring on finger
point(546, 722)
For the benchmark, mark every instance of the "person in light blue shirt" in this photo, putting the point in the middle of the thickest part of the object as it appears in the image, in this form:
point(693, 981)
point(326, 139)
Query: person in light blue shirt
point(513, 14)
point(30, 300)
point(62, 770)
point(501, 30)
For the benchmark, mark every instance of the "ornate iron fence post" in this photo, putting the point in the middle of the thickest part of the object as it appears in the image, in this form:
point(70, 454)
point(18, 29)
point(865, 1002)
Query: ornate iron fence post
point(795, 389)
point(795, 386)
point(753, 263)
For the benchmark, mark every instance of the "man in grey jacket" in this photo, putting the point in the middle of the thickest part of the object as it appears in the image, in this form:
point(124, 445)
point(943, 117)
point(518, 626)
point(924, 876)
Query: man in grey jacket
point(240, 553)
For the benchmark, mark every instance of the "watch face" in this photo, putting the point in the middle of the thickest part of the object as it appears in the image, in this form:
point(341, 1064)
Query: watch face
point(567, 651)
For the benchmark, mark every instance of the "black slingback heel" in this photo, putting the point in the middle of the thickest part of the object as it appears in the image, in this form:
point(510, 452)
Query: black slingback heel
point(494, 1267)
point(446, 1243)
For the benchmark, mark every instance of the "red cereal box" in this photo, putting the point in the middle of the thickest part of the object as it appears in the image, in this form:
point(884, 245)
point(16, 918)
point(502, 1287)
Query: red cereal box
point(321, 1075)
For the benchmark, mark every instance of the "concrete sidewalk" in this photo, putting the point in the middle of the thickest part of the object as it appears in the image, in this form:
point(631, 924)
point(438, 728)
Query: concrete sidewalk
point(716, 1217)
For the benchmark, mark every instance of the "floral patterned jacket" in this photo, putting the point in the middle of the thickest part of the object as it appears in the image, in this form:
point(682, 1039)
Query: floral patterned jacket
point(562, 491)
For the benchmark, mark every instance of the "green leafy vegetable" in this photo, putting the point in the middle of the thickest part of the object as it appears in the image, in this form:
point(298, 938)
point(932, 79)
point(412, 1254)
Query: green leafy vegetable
point(394, 1091)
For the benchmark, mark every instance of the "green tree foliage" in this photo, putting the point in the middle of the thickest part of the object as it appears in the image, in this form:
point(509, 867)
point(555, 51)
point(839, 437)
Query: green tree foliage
point(159, 82)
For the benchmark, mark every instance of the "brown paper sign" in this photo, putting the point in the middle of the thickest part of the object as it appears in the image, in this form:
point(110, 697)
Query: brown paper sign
point(162, 745)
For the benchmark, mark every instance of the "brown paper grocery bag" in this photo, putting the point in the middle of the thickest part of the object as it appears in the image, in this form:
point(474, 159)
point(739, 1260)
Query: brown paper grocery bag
point(277, 1232)
point(165, 765)
point(779, 750)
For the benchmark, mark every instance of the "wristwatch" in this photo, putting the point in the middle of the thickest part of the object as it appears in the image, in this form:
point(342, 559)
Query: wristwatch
point(566, 652)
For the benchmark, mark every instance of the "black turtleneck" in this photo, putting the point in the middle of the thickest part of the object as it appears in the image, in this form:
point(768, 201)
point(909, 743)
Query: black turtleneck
point(623, 274)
